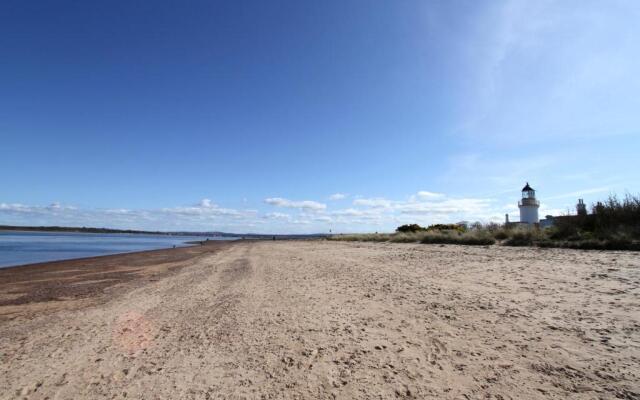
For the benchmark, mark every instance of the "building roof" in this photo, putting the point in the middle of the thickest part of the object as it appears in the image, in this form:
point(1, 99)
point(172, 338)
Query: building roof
point(527, 188)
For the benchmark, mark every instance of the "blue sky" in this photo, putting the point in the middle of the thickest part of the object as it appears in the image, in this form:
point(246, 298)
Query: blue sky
point(299, 116)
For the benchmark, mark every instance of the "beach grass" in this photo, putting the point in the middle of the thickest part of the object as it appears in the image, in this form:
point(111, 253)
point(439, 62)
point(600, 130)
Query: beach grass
point(480, 238)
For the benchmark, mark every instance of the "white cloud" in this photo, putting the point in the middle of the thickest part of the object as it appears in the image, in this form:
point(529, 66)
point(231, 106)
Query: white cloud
point(350, 212)
point(204, 216)
point(277, 215)
point(461, 207)
point(304, 205)
point(375, 202)
point(207, 209)
point(579, 193)
point(423, 194)
point(206, 203)
point(337, 196)
point(22, 208)
point(15, 207)
point(366, 214)
point(121, 211)
point(423, 207)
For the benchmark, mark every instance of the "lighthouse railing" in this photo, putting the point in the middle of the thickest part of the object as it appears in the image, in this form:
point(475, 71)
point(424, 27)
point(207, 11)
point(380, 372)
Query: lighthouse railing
point(528, 202)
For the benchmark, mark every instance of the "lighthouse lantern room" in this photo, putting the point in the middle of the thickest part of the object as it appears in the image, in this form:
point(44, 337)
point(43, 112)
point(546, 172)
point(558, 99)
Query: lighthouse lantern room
point(528, 206)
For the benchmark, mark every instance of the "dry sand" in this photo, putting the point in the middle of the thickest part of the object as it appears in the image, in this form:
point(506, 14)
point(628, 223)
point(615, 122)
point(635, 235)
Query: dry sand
point(337, 320)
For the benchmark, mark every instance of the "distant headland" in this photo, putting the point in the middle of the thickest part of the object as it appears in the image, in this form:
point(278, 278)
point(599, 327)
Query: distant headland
point(83, 229)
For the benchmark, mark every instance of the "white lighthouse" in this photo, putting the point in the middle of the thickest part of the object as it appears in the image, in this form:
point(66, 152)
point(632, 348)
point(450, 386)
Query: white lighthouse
point(528, 206)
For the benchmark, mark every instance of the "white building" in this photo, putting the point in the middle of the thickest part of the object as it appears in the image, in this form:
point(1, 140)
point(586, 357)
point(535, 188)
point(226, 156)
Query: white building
point(528, 206)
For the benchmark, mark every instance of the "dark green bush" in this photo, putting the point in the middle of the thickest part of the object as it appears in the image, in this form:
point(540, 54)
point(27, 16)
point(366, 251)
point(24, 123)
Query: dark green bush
point(410, 228)
point(610, 219)
point(500, 235)
point(447, 227)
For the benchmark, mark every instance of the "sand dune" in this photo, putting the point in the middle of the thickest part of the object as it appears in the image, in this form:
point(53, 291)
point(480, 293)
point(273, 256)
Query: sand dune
point(340, 320)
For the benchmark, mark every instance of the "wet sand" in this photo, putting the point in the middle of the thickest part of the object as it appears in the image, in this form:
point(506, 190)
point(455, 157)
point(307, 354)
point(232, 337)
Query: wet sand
point(317, 319)
point(66, 283)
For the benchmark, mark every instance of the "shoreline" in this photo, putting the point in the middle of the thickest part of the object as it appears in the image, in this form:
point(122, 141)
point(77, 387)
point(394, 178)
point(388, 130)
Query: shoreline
point(88, 245)
point(87, 278)
point(91, 258)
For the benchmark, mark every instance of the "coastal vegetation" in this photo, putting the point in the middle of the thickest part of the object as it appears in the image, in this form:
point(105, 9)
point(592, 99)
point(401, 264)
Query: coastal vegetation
point(613, 224)
point(459, 235)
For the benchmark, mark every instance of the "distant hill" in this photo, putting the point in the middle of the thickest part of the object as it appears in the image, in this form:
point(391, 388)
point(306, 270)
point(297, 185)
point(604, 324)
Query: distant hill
point(80, 230)
point(137, 232)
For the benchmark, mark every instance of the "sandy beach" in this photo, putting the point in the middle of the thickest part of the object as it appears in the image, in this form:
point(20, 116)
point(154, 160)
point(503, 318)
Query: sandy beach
point(319, 319)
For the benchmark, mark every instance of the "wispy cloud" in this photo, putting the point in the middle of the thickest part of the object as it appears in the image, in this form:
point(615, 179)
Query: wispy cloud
point(337, 196)
point(278, 216)
point(578, 193)
point(503, 171)
point(546, 70)
point(207, 208)
point(466, 207)
point(426, 206)
point(378, 202)
point(305, 204)
point(352, 212)
point(205, 215)
point(425, 195)
point(365, 214)
point(27, 209)
point(306, 216)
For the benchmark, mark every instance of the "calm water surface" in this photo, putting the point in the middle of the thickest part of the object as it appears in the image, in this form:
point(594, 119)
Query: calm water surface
point(18, 248)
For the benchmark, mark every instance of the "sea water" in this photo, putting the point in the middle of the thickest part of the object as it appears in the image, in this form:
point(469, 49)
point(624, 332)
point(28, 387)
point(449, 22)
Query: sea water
point(18, 248)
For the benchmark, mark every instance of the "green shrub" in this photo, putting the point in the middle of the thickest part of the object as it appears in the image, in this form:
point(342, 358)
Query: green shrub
point(447, 227)
point(609, 219)
point(410, 228)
